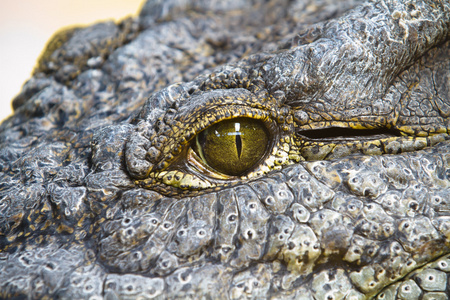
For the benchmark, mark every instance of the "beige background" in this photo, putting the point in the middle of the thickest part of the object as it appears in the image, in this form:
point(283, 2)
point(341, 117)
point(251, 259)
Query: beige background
point(26, 26)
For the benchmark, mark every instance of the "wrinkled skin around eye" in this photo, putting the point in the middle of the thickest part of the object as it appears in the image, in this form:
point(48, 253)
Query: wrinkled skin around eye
point(232, 147)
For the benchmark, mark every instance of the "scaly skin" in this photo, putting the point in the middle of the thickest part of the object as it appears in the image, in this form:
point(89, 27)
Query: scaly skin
point(99, 197)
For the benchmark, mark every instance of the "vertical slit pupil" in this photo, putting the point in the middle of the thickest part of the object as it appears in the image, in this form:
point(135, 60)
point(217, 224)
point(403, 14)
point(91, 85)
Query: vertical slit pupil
point(221, 146)
point(238, 145)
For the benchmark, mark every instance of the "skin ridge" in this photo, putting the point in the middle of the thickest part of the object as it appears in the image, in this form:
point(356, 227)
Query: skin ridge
point(87, 208)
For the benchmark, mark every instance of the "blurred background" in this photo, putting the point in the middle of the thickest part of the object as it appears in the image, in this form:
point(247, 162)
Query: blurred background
point(26, 26)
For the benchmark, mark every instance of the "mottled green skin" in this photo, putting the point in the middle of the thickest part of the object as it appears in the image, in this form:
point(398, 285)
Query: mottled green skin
point(99, 200)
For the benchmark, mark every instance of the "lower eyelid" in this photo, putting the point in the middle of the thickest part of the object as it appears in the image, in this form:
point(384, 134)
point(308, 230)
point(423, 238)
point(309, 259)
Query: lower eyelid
point(193, 161)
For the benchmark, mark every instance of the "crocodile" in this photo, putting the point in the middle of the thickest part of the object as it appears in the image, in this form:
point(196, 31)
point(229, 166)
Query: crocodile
point(234, 150)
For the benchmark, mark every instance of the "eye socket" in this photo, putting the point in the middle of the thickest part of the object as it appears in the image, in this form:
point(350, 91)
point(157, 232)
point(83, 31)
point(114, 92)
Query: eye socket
point(232, 147)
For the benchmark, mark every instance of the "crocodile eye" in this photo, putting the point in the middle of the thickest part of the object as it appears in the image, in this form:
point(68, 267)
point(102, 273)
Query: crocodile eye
point(232, 147)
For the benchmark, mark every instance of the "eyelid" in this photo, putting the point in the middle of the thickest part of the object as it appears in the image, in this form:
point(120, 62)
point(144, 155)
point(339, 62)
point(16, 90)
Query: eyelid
point(195, 162)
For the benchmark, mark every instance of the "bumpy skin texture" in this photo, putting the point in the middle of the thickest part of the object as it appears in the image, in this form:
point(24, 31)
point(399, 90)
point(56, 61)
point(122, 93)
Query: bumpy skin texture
point(97, 199)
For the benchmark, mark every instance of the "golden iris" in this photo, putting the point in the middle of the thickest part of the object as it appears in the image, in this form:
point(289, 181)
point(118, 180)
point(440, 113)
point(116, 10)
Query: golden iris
point(232, 147)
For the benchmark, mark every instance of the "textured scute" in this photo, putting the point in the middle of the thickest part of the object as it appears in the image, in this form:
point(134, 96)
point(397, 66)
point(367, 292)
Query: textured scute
point(101, 195)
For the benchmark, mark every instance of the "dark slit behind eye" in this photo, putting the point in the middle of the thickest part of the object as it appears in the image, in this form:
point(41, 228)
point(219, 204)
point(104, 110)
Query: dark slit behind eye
point(232, 147)
point(347, 134)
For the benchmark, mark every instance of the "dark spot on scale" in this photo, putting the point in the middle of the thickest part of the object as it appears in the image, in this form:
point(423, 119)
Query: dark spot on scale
point(88, 288)
point(111, 285)
point(165, 264)
point(315, 149)
point(184, 276)
point(414, 205)
point(158, 126)
point(291, 245)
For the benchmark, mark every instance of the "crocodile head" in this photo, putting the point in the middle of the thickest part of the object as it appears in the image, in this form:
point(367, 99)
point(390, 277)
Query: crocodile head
point(304, 154)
